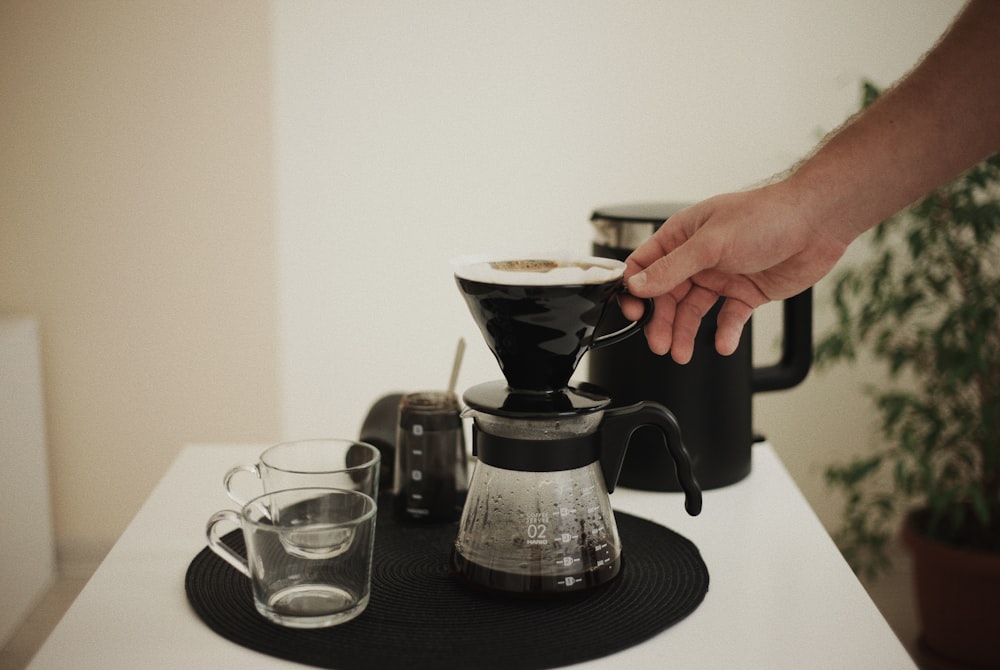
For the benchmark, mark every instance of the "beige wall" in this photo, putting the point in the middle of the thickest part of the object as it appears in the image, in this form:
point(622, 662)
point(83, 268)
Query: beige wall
point(136, 223)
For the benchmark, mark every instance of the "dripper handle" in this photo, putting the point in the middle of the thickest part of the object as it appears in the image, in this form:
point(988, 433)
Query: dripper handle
point(616, 430)
point(628, 331)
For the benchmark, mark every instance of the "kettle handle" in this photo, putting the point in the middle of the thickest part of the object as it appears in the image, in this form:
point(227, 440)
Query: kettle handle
point(616, 430)
point(796, 347)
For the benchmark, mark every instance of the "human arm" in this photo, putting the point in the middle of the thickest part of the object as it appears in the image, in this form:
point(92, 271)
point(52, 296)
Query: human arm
point(773, 242)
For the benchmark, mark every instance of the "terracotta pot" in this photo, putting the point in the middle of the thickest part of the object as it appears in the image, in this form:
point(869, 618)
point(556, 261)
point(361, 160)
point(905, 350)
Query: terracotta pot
point(958, 601)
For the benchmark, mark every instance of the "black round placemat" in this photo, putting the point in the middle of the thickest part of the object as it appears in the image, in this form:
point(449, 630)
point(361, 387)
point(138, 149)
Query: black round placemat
point(420, 616)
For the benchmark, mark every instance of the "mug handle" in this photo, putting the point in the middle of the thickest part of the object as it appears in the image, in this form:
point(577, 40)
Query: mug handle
point(227, 481)
point(223, 550)
point(628, 331)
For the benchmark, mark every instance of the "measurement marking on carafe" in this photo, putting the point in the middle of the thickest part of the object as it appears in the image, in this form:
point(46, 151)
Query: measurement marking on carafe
point(537, 533)
point(567, 561)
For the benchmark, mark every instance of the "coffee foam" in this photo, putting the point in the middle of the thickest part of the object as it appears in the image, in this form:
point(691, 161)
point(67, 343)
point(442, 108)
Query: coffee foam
point(538, 269)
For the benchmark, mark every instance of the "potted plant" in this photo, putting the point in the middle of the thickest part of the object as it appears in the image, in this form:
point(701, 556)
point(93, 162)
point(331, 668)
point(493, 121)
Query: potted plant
point(927, 305)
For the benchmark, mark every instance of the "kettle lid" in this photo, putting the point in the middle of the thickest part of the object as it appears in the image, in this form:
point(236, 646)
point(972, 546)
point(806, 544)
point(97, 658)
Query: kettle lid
point(639, 212)
point(626, 226)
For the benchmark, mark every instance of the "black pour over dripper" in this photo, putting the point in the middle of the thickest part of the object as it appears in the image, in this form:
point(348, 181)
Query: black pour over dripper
point(539, 330)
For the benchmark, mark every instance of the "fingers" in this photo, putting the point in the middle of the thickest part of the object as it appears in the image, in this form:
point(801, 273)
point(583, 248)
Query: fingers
point(675, 324)
point(670, 271)
point(632, 308)
point(733, 316)
point(687, 320)
point(660, 329)
point(679, 266)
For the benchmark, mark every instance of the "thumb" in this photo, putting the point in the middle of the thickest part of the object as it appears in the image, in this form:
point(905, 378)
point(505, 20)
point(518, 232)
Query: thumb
point(670, 271)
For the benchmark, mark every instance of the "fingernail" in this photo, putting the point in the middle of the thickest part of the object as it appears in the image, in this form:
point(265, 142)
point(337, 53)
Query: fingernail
point(637, 281)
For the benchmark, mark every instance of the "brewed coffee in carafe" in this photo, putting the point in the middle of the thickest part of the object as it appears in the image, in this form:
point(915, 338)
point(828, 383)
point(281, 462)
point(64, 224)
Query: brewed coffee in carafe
point(537, 520)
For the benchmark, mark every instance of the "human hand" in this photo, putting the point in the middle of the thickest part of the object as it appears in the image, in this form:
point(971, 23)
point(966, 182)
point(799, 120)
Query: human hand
point(749, 248)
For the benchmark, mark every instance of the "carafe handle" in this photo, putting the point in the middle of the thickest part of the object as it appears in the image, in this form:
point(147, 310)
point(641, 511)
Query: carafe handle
point(616, 430)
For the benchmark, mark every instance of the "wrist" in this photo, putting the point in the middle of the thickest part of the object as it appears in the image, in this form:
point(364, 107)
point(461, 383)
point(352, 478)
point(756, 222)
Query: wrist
point(836, 200)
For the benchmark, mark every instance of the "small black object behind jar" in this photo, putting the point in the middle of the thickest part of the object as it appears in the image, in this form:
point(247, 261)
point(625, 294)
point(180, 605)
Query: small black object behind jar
point(430, 479)
point(379, 430)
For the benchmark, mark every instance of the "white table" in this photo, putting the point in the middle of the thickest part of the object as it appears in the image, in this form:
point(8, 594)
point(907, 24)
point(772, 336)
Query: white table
point(780, 596)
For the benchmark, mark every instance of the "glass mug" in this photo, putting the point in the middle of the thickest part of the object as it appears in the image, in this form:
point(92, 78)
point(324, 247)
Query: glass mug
point(308, 553)
point(332, 462)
